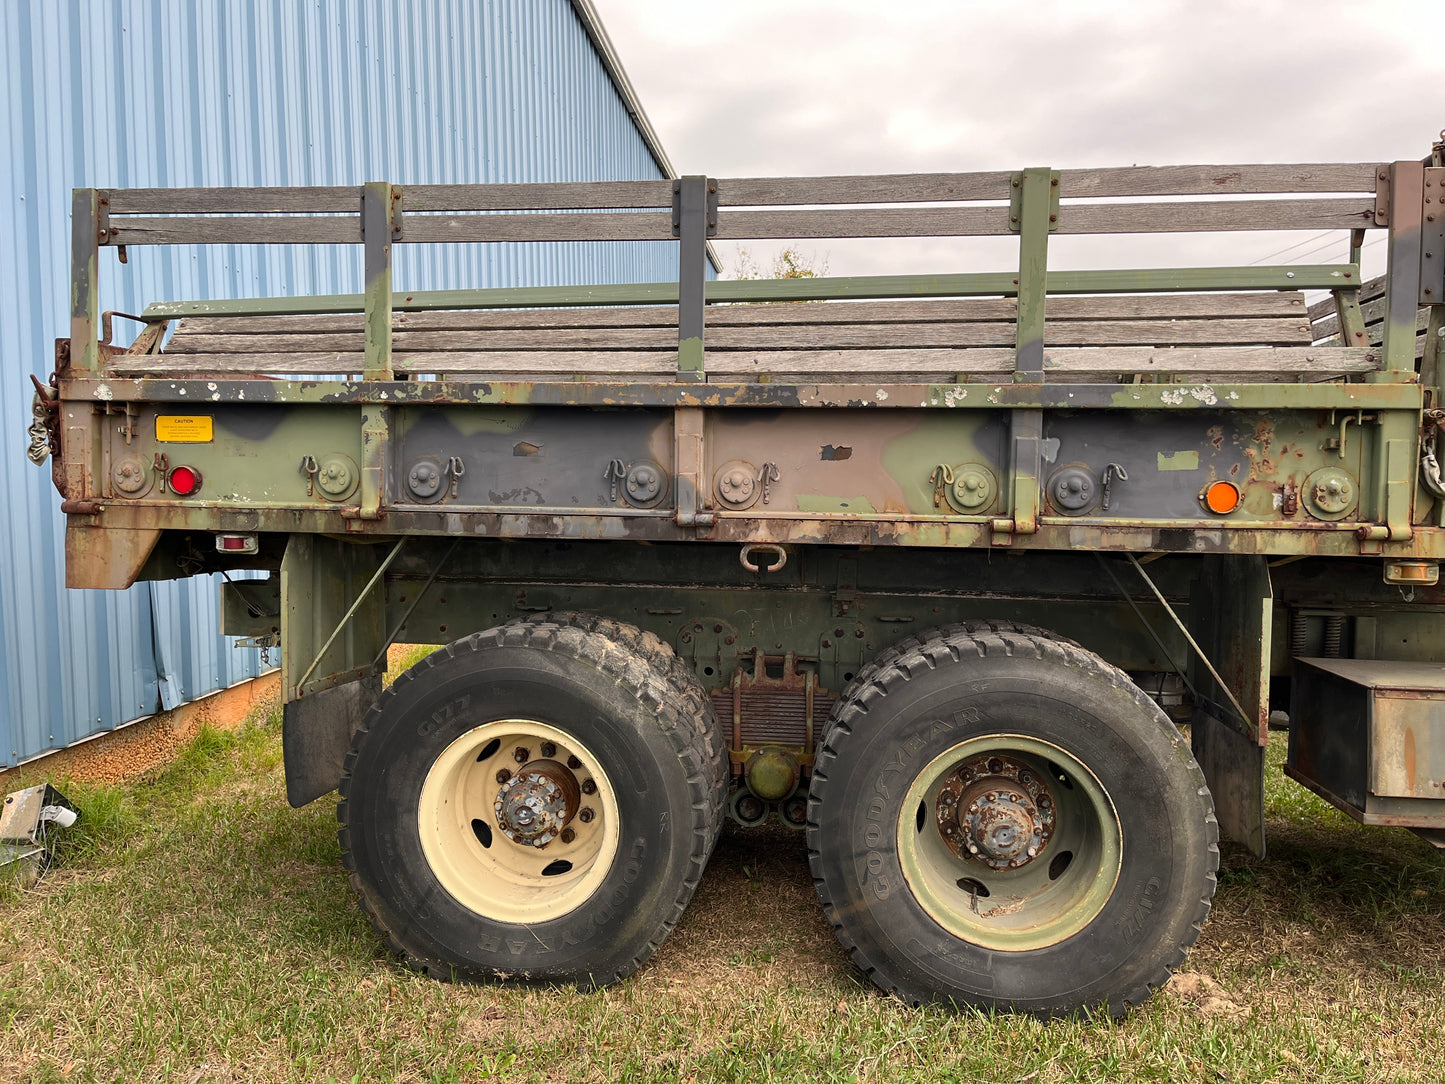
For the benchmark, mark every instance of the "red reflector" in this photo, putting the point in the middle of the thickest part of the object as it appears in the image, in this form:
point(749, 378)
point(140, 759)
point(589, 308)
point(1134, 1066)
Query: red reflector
point(184, 481)
point(234, 541)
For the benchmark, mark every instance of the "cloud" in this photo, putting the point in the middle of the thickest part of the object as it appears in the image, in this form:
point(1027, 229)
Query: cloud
point(769, 87)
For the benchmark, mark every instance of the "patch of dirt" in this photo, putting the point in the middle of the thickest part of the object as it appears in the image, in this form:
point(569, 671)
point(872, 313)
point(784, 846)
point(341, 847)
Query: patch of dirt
point(1205, 996)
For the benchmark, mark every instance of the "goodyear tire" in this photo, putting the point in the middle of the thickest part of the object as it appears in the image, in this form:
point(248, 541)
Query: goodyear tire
point(692, 700)
point(531, 803)
point(889, 655)
point(1001, 819)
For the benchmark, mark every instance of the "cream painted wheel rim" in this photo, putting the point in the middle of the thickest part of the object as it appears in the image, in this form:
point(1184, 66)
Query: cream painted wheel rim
point(465, 840)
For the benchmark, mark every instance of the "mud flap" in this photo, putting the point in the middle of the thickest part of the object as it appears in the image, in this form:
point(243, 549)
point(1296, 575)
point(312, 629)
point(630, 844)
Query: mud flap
point(332, 656)
point(1230, 616)
point(316, 732)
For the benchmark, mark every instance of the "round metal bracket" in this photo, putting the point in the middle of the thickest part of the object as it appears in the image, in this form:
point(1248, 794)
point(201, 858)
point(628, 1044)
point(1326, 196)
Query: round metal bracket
point(645, 484)
point(736, 485)
point(337, 477)
point(1073, 490)
point(131, 478)
point(973, 491)
point(425, 480)
point(1330, 493)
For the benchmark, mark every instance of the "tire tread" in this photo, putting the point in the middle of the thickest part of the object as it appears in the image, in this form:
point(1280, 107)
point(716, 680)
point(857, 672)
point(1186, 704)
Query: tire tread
point(894, 668)
point(632, 663)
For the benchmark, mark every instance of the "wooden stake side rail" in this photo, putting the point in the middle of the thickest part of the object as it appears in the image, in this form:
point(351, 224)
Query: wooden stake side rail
point(758, 191)
point(634, 210)
point(726, 339)
point(818, 341)
point(1120, 307)
point(929, 365)
point(967, 324)
point(1084, 218)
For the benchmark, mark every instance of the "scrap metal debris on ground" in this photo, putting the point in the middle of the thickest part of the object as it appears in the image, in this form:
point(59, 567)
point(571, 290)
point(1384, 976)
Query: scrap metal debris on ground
point(28, 821)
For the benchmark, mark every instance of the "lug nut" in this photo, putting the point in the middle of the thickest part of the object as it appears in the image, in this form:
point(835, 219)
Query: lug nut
point(568, 835)
point(589, 786)
point(549, 749)
point(586, 815)
point(503, 775)
point(521, 755)
point(573, 763)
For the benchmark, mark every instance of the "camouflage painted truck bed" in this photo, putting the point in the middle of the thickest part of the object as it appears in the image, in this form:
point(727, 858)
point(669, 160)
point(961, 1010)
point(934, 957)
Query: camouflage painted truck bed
point(782, 498)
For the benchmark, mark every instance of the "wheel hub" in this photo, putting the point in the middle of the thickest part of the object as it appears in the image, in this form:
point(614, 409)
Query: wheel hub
point(995, 810)
point(534, 805)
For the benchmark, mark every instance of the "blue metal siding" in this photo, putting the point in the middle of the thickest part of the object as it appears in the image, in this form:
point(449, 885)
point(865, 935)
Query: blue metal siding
point(126, 93)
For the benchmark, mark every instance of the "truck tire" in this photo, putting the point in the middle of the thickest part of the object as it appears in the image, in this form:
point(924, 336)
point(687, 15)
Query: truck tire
point(694, 702)
point(1000, 818)
point(913, 642)
point(532, 803)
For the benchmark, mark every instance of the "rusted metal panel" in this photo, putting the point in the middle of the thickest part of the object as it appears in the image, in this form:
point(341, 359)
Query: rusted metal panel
point(107, 558)
point(1407, 748)
point(1369, 735)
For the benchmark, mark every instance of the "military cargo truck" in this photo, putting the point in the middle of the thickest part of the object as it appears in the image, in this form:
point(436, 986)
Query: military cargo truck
point(931, 567)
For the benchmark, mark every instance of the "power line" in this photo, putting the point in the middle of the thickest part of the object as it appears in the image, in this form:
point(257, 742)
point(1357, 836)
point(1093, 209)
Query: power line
point(1310, 252)
point(1298, 244)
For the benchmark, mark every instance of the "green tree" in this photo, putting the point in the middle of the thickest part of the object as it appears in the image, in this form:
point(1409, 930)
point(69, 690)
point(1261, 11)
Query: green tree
point(789, 263)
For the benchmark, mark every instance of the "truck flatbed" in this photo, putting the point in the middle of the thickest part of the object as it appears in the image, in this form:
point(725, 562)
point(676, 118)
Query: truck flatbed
point(927, 566)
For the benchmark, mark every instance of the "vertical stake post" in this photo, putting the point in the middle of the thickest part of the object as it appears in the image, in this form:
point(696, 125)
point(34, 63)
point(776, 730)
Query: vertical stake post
point(377, 221)
point(1352, 319)
point(1034, 213)
point(1036, 186)
point(1402, 278)
point(85, 280)
point(690, 205)
point(1397, 433)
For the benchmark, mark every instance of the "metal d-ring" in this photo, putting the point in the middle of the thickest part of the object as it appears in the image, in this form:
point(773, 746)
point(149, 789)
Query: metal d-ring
point(745, 556)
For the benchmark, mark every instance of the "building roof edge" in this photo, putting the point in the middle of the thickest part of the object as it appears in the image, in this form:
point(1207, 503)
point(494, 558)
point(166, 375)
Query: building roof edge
point(591, 21)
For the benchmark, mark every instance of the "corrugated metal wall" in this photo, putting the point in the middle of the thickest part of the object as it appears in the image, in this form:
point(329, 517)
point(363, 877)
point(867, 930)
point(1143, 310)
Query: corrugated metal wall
point(118, 93)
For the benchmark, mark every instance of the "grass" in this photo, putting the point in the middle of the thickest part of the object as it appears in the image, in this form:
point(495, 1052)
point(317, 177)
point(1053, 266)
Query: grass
point(196, 929)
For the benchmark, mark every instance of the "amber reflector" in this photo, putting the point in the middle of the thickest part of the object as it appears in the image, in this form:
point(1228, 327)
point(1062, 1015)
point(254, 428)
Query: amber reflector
point(1222, 497)
point(184, 481)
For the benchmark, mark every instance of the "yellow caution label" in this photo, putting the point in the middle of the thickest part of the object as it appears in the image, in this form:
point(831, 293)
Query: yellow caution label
point(184, 428)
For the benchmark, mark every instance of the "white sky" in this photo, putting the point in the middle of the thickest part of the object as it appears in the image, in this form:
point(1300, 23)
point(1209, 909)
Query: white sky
point(797, 87)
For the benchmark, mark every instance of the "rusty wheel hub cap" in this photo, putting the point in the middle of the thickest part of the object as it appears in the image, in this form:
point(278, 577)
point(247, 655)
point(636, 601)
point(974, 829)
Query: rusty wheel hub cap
point(534, 805)
point(995, 810)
